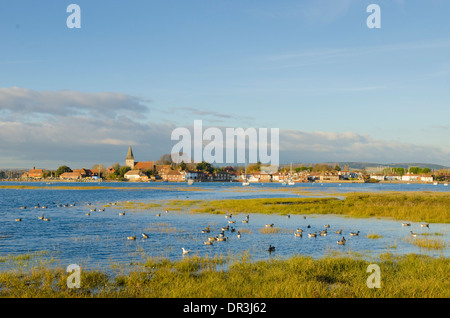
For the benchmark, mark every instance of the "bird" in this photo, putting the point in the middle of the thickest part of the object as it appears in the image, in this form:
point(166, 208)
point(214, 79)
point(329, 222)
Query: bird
point(41, 217)
point(323, 233)
point(298, 234)
point(228, 215)
point(208, 243)
point(304, 217)
point(23, 207)
point(245, 221)
point(327, 225)
point(47, 219)
point(222, 239)
point(88, 214)
point(19, 219)
point(413, 234)
point(288, 216)
point(312, 235)
point(308, 226)
point(158, 214)
point(425, 225)
point(238, 234)
point(167, 211)
point(299, 230)
point(271, 249)
point(206, 230)
point(338, 232)
point(44, 207)
point(212, 238)
point(342, 241)
point(94, 209)
point(101, 210)
point(406, 224)
point(225, 228)
point(121, 213)
point(232, 230)
point(354, 233)
point(146, 236)
point(185, 251)
point(131, 238)
point(269, 225)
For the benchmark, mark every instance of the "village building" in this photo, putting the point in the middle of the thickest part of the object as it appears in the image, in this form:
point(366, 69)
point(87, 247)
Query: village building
point(143, 166)
point(136, 175)
point(71, 176)
point(34, 173)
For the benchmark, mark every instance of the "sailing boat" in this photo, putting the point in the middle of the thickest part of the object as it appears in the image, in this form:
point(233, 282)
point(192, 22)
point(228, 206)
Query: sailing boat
point(245, 183)
point(290, 181)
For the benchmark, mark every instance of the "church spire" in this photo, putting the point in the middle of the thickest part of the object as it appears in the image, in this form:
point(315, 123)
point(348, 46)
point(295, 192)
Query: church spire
point(130, 154)
point(129, 160)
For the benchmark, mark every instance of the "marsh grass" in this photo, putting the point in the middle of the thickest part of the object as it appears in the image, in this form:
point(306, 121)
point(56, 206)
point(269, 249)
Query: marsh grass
point(374, 236)
point(336, 275)
point(426, 243)
point(431, 207)
point(274, 230)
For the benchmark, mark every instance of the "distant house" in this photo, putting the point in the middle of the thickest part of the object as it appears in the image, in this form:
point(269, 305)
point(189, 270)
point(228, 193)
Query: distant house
point(221, 176)
point(410, 177)
point(71, 176)
point(34, 173)
point(328, 176)
point(426, 178)
point(85, 173)
point(175, 176)
point(393, 177)
point(135, 175)
point(377, 176)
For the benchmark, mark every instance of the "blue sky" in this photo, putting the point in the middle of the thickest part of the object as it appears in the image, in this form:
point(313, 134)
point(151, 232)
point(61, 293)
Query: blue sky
point(138, 69)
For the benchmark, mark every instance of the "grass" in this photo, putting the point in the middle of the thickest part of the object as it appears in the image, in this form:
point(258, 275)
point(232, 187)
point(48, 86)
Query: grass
point(431, 207)
point(202, 277)
point(426, 243)
point(373, 236)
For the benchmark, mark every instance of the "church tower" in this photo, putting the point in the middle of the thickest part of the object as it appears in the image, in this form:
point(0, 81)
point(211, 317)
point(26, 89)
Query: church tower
point(129, 161)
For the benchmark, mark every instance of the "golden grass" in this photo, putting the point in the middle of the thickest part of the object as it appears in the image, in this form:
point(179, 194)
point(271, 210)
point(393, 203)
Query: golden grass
point(427, 243)
point(373, 236)
point(334, 276)
point(431, 207)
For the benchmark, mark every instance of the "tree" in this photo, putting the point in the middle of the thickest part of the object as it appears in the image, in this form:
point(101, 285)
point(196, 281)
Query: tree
point(205, 166)
point(165, 159)
point(337, 168)
point(61, 170)
point(183, 166)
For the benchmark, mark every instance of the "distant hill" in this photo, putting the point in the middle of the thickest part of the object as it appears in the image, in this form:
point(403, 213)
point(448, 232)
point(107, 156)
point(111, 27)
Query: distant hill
point(371, 165)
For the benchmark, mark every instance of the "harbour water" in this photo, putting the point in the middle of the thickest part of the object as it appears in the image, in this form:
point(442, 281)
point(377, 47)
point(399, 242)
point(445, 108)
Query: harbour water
point(99, 240)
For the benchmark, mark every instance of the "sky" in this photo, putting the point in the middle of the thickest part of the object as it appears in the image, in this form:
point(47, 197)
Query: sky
point(138, 69)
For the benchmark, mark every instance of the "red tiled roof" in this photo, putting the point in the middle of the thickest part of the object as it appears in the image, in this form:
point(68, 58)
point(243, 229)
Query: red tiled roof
point(144, 165)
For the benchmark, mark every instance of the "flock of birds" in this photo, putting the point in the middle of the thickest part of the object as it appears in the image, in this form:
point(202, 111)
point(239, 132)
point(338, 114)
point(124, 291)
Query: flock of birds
point(298, 233)
point(220, 237)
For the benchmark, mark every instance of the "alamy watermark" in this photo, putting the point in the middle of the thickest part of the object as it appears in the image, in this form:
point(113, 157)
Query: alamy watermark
point(213, 146)
point(374, 280)
point(74, 279)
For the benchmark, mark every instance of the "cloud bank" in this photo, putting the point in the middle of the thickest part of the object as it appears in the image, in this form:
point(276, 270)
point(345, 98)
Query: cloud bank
point(49, 128)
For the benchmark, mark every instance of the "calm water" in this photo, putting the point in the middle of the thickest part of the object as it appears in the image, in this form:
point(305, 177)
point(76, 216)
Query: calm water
point(99, 240)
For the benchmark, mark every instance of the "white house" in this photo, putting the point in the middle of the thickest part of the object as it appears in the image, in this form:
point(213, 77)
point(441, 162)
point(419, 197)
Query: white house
point(377, 176)
point(410, 177)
